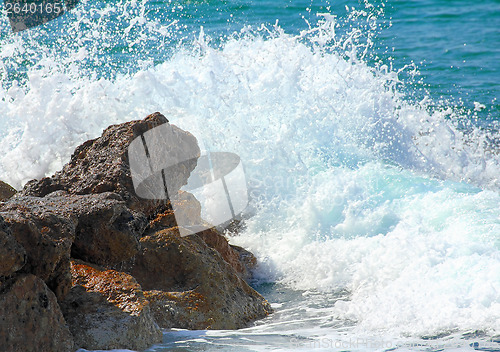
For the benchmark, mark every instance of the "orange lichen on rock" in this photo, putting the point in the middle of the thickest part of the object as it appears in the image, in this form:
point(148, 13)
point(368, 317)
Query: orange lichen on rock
point(107, 309)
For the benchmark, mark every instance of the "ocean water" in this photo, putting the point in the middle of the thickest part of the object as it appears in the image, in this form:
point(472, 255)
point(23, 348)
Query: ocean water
point(369, 132)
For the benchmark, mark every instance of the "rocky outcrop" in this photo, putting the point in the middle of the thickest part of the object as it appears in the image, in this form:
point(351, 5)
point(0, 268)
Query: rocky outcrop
point(190, 214)
point(12, 254)
point(102, 164)
point(46, 236)
point(106, 309)
point(30, 317)
point(83, 243)
point(106, 231)
point(191, 286)
point(6, 191)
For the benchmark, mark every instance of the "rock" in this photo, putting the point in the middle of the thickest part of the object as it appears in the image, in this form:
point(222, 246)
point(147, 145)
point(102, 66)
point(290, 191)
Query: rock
point(6, 191)
point(97, 227)
point(247, 260)
point(46, 237)
point(12, 254)
point(106, 231)
point(102, 164)
point(106, 309)
point(30, 318)
point(191, 286)
point(111, 205)
point(189, 212)
point(218, 242)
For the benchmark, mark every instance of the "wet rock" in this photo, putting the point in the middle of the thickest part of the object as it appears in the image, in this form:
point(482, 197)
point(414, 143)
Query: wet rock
point(102, 164)
point(191, 286)
point(6, 191)
point(247, 260)
point(12, 254)
point(30, 318)
point(106, 309)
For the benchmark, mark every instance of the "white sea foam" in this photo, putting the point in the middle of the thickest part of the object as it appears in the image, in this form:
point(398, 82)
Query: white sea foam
point(353, 188)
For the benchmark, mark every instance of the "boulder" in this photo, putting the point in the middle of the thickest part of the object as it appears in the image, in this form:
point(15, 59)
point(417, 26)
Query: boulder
point(106, 309)
point(12, 254)
point(247, 260)
point(191, 286)
point(46, 237)
point(106, 231)
point(6, 191)
point(103, 165)
point(30, 318)
point(96, 227)
point(189, 211)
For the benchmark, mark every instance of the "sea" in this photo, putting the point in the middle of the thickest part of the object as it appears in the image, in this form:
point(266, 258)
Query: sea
point(369, 132)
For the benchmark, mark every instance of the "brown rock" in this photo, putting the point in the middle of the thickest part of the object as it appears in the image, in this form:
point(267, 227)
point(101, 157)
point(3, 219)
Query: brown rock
point(106, 231)
point(106, 309)
point(102, 165)
point(46, 237)
point(12, 254)
point(6, 191)
point(189, 211)
point(30, 318)
point(218, 242)
point(247, 260)
point(191, 286)
point(96, 227)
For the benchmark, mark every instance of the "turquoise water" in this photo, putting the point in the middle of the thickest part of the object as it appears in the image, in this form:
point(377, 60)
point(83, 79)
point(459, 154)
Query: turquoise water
point(369, 132)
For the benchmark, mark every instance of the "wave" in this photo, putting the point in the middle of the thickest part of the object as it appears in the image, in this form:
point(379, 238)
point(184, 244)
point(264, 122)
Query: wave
point(353, 185)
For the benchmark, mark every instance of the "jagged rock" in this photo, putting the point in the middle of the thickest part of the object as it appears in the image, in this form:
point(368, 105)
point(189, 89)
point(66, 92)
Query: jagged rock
point(106, 231)
point(30, 318)
point(96, 227)
point(247, 260)
point(46, 237)
point(218, 242)
point(102, 164)
point(191, 286)
point(6, 191)
point(93, 210)
point(12, 254)
point(189, 212)
point(106, 309)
